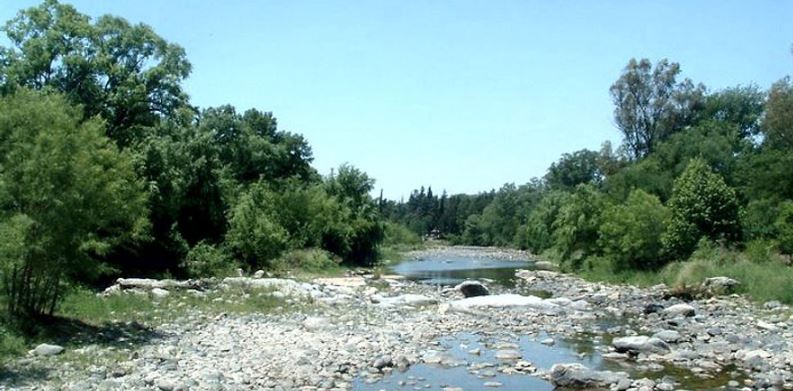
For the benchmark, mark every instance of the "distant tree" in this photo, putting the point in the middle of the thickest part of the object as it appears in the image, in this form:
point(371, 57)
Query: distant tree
point(571, 170)
point(702, 206)
point(651, 104)
point(784, 227)
point(630, 233)
point(125, 73)
point(778, 124)
point(67, 197)
point(575, 229)
point(538, 230)
point(741, 106)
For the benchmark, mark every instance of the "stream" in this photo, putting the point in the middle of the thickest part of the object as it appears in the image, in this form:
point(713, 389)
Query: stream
point(470, 361)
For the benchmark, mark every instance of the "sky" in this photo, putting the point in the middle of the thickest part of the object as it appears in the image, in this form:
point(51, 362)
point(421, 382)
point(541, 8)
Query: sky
point(463, 96)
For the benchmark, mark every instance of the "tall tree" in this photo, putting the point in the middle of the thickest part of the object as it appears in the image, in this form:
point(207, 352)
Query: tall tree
point(651, 104)
point(125, 73)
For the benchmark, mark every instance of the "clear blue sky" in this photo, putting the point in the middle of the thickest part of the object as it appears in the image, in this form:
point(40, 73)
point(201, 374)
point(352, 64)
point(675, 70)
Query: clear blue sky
point(461, 95)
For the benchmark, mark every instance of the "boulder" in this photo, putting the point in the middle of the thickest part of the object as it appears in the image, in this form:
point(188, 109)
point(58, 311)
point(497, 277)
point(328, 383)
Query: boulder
point(406, 299)
point(508, 300)
point(640, 344)
point(652, 308)
point(679, 310)
point(159, 293)
point(47, 350)
point(669, 336)
point(578, 376)
point(720, 285)
point(472, 288)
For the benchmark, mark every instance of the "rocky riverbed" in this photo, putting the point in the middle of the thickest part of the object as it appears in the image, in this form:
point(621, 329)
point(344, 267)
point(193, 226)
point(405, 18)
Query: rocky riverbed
point(369, 332)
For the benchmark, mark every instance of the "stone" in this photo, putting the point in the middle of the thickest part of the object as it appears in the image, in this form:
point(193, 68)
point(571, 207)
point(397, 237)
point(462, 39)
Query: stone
point(508, 354)
point(258, 274)
point(159, 293)
point(548, 341)
point(407, 299)
point(315, 323)
point(507, 300)
point(720, 285)
point(472, 288)
point(679, 310)
point(48, 350)
point(652, 308)
point(640, 344)
point(669, 336)
point(580, 377)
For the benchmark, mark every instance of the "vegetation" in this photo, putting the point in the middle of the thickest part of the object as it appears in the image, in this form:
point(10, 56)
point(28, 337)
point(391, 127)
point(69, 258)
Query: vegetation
point(701, 186)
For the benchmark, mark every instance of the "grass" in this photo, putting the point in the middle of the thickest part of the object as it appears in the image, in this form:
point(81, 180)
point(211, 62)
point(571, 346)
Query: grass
point(764, 275)
point(85, 318)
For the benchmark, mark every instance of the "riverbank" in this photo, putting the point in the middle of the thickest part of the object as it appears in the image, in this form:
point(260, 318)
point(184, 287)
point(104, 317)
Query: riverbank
point(361, 331)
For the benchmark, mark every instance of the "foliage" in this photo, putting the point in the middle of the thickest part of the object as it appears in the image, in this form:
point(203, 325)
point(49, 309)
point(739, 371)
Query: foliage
point(255, 235)
point(309, 260)
point(70, 196)
point(539, 226)
point(784, 227)
point(575, 229)
point(778, 123)
point(651, 104)
point(395, 234)
point(206, 260)
point(571, 170)
point(124, 73)
point(702, 205)
point(631, 232)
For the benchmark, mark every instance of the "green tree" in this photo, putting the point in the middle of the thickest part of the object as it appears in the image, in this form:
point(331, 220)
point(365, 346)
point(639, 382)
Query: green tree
point(784, 227)
point(575, 229)
point(571, 170)
point(778, 123)
point(255, 235)
point(651, 104)
point(702, 206)
point(630, 233)
point(742, 106)
point(538, 230)
point(69, 196)
point(125, 73)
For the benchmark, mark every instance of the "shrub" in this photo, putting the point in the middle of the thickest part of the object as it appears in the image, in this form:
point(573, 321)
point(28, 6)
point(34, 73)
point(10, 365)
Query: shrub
point(312, 260)
point(631, 232)
point(538, 230)
point(254, 234)
point(206, 260)
point(702, 206)
point(397, 234)
point(575, 230)
point(69, 196)
point(784, 227)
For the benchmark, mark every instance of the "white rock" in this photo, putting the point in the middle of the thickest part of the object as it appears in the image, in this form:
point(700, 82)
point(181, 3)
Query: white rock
point(679, 309)
point(641, 344)
point(159, 293)
point(504, 301)
point(47, 350)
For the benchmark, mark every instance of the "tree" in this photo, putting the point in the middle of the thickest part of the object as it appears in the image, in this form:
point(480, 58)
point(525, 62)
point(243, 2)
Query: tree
point(742, 106)
point(702, 206)
point(538, 230)
point(784, 227)
point(571, 170)
point(651, 104)
point(575, 229)
point(631, 232)
point(125, 73)
point(778, 123)
point(68, 196)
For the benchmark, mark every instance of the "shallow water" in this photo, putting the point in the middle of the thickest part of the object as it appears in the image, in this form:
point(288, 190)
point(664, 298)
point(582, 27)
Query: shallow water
point(584, 349)
point(453, 270)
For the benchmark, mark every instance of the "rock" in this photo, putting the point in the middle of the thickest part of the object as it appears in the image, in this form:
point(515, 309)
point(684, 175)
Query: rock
point(492, 384)
point(159, 293)
point(669, 336)
point(383, 362)
point(766, 326)
point(508, 300)
point(578, 376)
point(679, 309)
point(508, 354)
point(47, 350)
point(258, 274)
point(756, 359)
point(547, 341)
point(720, 285)
point(652, 308)
point(772, 305)
point(316, 323)
point(472, 288)
point(640, 344)
point(407, 299)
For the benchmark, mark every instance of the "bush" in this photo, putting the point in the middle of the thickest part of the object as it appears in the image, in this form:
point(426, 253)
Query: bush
point(311, 260)
point(702, 206)
point(784, 227)
point(206, 260)
point(396, 234)
point(575, 230)
point(255, 235)
point(758, 219)
point(538, 230)
point(631, 232)
point(69, 196)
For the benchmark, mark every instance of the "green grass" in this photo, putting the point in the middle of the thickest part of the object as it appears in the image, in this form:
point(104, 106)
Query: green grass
point(764, 275)
point(85, 318)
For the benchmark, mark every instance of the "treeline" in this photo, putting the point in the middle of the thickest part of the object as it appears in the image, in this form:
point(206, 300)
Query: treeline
point(693, 165)
point(107, 169)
